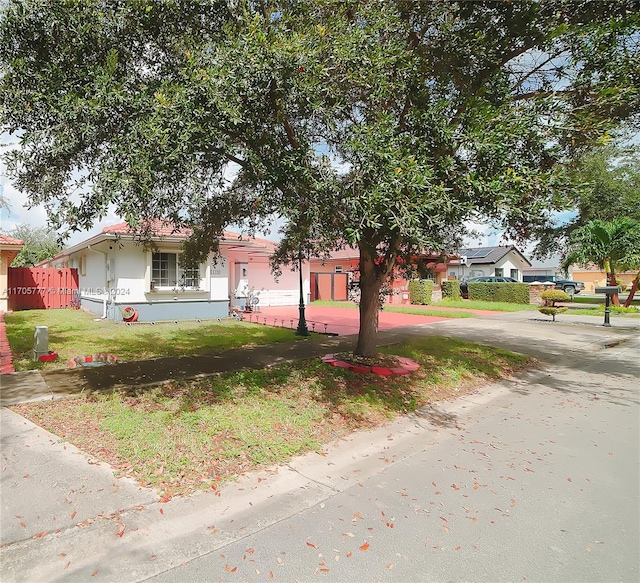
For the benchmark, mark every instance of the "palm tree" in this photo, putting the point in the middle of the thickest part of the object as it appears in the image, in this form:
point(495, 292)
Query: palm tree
point(611, 245)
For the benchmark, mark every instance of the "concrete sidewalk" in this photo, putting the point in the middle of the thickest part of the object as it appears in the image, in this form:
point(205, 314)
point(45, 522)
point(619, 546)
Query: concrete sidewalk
point(66, 517)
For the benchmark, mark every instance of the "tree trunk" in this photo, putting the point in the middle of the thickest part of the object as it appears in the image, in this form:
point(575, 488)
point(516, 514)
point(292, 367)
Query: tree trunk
point(611, 280)
point(370, 284)
point(632, 291)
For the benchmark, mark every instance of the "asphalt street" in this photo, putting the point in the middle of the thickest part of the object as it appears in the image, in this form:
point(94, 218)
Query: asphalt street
point(535, 480)
point(532, 479)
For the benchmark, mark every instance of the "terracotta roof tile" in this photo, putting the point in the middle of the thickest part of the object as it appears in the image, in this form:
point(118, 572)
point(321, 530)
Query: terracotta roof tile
point(159, 229)
point(166, 229)
point(6, 240)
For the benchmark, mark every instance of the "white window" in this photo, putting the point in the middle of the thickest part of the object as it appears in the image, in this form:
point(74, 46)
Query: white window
point(514, 274)
point(499, 272)
point(166, 272)
point(338, 269)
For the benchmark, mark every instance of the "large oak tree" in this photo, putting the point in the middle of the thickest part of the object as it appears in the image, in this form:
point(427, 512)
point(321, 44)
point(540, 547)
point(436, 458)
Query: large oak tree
point(384, 124)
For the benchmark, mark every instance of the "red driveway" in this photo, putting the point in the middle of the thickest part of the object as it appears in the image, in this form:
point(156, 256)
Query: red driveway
point(340, 321)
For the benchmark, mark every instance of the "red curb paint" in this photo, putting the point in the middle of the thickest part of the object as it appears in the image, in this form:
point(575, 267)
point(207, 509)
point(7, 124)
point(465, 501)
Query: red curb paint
point(381, 370)
point(340, 364)
point(408, 366)
point(360, 368)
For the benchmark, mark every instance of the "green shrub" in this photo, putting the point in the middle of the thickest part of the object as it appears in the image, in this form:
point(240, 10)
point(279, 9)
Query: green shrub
point(551, 311)
point(551, 296)
point(451, 289)
point(420, 291)
point(514, 293)
point(622, 309)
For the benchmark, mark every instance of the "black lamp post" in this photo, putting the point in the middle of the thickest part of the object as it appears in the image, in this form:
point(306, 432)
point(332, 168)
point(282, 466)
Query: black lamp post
point(302, 329)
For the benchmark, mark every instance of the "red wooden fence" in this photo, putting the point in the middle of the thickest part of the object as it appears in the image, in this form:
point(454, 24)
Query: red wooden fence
point(37, 288)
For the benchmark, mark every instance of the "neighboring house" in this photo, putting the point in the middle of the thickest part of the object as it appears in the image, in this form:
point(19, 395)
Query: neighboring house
point(116, 270)
point(330, 278)
point(543, 269)
point(504, 261)
point(593, 276)
point(9, 248)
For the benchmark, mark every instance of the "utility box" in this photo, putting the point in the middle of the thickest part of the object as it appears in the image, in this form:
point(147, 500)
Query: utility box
point(40, 341)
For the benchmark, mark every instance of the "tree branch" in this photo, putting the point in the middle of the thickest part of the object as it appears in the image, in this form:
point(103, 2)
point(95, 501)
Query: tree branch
point(536, 69)
point(230, 157)
point(291, 134)
point(535, 94)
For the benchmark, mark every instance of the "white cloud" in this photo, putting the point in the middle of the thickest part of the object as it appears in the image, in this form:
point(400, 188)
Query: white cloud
point(19, 213)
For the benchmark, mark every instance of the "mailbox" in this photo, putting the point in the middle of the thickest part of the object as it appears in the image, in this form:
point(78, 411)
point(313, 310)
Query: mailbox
point(608, 289)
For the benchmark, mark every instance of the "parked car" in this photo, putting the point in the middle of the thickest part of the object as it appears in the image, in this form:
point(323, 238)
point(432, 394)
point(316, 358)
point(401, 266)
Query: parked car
point(464, 289)
point(568, 286)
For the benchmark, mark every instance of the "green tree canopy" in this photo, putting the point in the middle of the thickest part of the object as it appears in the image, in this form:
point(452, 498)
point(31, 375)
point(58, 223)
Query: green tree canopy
point(40, 244)
point(611, 245)
point(607, 180)
point(611, 185)
point(383, 124)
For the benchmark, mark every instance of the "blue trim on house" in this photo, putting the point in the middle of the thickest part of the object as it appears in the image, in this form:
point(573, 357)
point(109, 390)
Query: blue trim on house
point(159, 311)
point(94, 306)
point(169, 310)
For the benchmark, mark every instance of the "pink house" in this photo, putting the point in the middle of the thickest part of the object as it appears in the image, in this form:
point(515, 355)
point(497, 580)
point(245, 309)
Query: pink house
point(330, 278)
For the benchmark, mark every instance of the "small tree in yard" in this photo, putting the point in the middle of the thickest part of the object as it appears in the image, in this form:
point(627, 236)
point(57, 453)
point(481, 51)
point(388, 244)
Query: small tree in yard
point(550, 297)
point(380, 124)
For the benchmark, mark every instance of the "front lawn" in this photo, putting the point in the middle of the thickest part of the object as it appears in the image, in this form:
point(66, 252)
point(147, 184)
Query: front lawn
point(631, 311)
point(190, 435)
point(446, 303)
point(75, 333)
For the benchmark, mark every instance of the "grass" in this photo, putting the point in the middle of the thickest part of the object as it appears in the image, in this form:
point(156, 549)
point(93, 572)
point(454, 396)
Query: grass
point(631, 311)
point(75, 333)
point(426, 311)
point(462, 304)
point(601, 299)
point(185, 436)
point(489, 306)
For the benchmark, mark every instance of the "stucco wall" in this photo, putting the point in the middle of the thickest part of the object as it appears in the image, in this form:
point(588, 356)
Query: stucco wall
point(506, 264)
point(120, 274)
point(592, 279)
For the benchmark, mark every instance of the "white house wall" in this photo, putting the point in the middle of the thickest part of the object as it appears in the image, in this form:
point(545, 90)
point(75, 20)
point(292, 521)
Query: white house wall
point(219, 278)
point(117, 275)
point(114, 274)
point(507, 265)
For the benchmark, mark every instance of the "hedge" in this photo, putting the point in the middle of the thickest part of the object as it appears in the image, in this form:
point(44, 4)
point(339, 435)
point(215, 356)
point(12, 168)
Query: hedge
point(513, 293)
point(420, 291)
point(451, 289)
